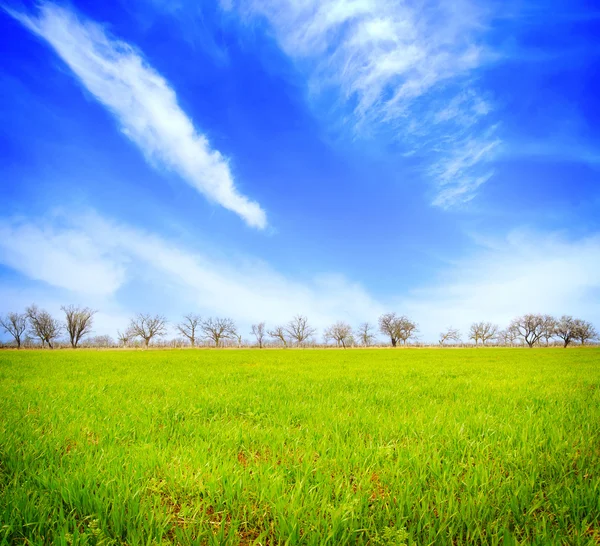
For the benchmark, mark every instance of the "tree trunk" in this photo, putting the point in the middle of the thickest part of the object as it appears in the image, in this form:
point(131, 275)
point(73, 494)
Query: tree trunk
point(393, 341)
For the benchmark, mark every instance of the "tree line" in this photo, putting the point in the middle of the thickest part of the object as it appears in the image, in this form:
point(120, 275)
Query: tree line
point(193, 330)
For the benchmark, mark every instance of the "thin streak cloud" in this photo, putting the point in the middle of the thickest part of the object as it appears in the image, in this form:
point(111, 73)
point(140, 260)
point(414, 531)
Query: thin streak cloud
point(143, 103)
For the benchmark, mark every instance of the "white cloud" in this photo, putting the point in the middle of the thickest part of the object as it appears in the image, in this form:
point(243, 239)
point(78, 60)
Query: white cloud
point(91, 255)
point(120, 270)
point(143, 103)
point(401, 65)
point(59, 255)
point(527, 272)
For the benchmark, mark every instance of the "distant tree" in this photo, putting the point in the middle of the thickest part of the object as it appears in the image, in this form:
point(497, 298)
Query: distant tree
point(15, 324)
point(146, 326)
point(102, 341)
point(189, 326)
point(565, 329)
point(529, 327)
point(125, 337)
point(450, 335)
point(397, 328)
point(280, 334)
point(299, 330)
point(549, 328)
point(340, 332)
point(258, 331)
point(584, 331)
point(483, 331)
point(43, 325)
point(365, 335)
point(508, 337)
point(79, 321)
point(218, 329)
point(387, 326)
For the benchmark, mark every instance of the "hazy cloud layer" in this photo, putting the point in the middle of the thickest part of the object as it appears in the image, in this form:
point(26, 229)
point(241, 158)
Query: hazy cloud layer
point(525, 272)
point(91, 255)
point(96, 261)
point(405, 66)
point(143, 103)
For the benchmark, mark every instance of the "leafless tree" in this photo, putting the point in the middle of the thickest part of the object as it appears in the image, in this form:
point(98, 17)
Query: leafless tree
point(406, 329)
point(79, 321)
point(218, 329)
point(387, 326)
point(280, 334)
point(299, 330)
point(102, 341)
point(565, 329)
point(258, 331)
point(549, 328)
point(15, 324)
point(450, 335)
point(508, 336)
point(584, 331)
point(340, 332)
point(397, 328)
point(365, 335)
point(124, 337)
point(484, 331)
point(43, 325)
point(147, 327)
point(189, 326)
point(529, 327)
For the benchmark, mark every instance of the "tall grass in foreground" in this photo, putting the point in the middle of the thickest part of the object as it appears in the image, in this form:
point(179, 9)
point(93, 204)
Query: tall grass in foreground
point(493, 446)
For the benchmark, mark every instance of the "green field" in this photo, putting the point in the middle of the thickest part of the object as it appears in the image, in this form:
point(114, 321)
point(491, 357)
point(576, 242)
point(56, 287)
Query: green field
point(409, 446)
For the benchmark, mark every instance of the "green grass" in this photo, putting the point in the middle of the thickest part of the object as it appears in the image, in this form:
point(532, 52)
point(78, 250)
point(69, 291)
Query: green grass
point(488, 446)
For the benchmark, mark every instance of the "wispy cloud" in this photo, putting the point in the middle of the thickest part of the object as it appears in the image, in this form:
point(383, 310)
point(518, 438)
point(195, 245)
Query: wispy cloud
point(100, 262)
point(90, 255)
point(524, 272)
point(143, 103)
point(404, 66)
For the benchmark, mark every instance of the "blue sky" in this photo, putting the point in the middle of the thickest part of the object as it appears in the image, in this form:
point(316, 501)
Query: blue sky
point(337, 158)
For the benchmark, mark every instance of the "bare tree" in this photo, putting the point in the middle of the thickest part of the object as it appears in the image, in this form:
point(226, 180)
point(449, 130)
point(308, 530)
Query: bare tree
point(365, 335)
point(565, 329)
point(406, 329)
point(102, 341)
point(79, 321)
point(529, 327)
point(299, 330)
point(549, 328)
point(450, 335)
point(340, 332)
point(43, 325)
point(15, 324)
point(218, 329)
point(508, 336)
point(484, 331)
point(147, 326)
point(258, 331)
point(397, 328)
point(189, 326)
point(279, 333)
point(387, 326)
point(584, 331)
point(125, 337)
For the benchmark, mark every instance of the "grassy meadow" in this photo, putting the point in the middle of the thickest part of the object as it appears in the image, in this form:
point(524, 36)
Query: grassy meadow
point(380, 447)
